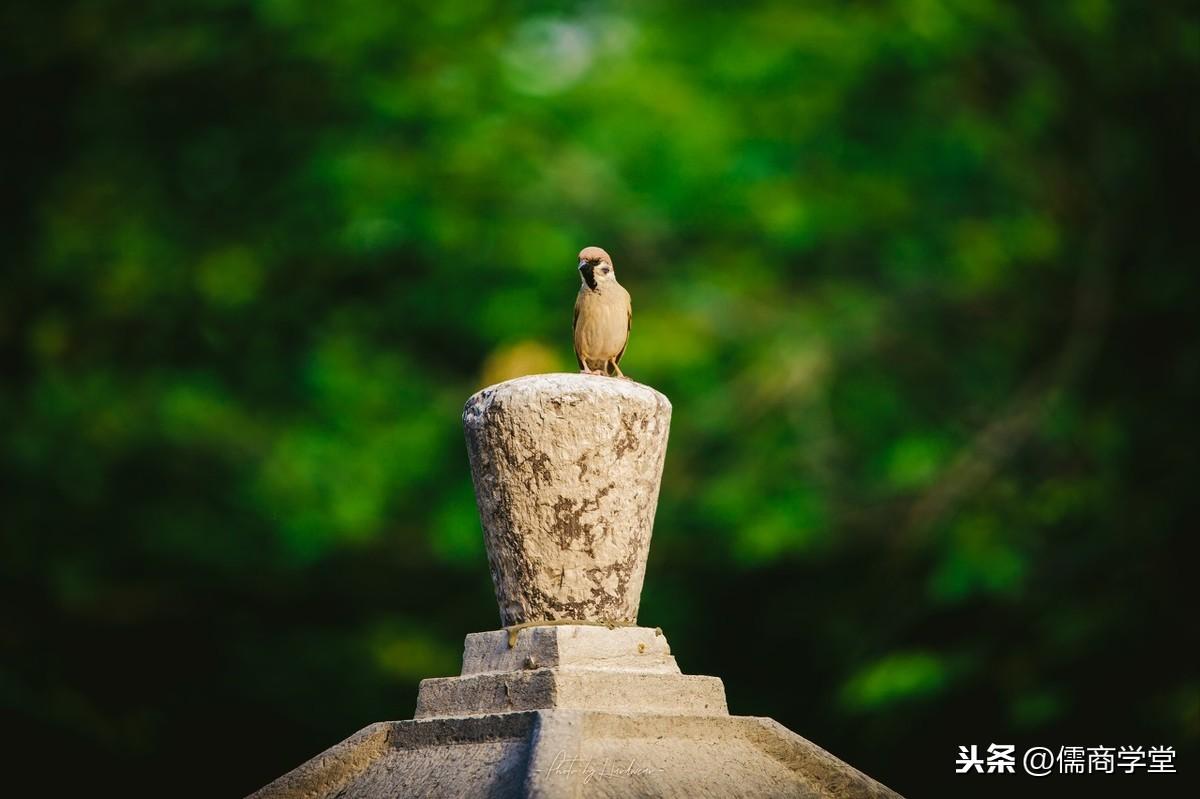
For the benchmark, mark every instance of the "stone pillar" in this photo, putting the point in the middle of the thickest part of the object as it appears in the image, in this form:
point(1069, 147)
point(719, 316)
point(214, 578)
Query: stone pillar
point(566, 471)
point(571, 701)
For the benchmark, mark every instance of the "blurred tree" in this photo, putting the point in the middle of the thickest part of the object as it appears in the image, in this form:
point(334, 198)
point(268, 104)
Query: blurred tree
point(917, 275)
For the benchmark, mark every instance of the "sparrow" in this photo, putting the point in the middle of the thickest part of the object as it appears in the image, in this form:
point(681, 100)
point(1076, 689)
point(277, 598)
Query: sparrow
point(603, 315)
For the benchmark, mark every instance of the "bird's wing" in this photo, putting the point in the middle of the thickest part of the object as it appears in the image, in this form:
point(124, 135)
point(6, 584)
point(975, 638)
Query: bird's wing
point(628, 326)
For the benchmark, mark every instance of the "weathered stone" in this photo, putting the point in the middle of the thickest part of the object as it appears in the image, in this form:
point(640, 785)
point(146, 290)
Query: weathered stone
point(576, 754)
point(566, 471)
point(569, 646)
point(571, 689)
point(573, 667)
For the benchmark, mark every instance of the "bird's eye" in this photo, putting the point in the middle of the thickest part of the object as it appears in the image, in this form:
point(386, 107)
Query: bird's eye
point(605, 270)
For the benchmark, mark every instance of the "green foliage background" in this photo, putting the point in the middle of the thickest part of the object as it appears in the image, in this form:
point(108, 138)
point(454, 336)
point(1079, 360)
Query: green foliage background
point(919, 277)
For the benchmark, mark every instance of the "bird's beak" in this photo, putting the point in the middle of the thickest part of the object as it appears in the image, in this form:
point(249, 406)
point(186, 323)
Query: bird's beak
point(586, 270)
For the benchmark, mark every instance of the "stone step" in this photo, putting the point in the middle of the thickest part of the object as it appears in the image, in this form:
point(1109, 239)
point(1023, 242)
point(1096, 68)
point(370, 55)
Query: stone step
point(640, 649)
point(571, 688)
point(576, 754)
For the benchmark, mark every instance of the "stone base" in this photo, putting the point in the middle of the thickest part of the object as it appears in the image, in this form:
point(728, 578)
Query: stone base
point(574, 711)
point(570, 667)
point(578, 754)
point(568, 689)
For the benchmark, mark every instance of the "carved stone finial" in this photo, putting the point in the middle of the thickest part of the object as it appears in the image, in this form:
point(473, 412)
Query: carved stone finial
point(566, 471)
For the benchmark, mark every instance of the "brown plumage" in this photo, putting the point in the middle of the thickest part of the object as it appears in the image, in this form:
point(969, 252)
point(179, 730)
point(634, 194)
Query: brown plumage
point(603, 315)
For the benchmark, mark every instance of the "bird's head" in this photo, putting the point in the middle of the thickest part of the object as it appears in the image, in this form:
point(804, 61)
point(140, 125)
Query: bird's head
point(595, 267)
